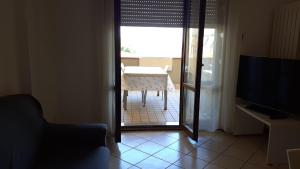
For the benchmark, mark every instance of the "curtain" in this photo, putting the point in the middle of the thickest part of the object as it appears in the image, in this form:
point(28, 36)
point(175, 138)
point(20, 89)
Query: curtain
point(230, 70)
point(211, 76)
point(71, 59)
point(109, 43)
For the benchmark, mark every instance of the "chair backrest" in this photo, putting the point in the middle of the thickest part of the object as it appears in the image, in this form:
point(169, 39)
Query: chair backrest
point(122, 67)
point(166, 68)
point(21, 131)
point(294, 158)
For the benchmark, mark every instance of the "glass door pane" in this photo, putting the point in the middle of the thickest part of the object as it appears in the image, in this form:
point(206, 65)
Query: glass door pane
point(191, 66)
point(188, 108)
point(191, 57)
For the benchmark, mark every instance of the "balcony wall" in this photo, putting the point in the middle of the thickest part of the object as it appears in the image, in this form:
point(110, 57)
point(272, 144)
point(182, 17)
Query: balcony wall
point(174, 73)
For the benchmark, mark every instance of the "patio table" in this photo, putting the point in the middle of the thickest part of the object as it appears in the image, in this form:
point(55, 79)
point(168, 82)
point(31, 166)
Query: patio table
point(144, 79)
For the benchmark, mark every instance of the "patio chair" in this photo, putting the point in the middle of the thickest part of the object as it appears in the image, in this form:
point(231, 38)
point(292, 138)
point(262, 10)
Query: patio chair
point(122, 68)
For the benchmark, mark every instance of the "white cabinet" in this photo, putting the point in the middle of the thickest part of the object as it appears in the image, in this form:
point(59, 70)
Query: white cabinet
point(283, 133)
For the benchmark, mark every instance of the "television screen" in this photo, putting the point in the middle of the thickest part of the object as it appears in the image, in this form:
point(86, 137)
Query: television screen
point(289, 86)
point(270, 82)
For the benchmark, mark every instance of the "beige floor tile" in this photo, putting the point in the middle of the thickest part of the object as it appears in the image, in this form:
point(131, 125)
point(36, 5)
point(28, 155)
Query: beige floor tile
point(168, 116)
point(250, 142)
point(228, 162)
point(153, 163)
point(152, 115)
point(134, 167)
point(173, 167)
point(189, 162)
point(204, 154)
point(215, 146)
point(202, 140)
point(241, 154)
point(183, 146)
point(160, 115)
point(206, 134)
point(176, 134)
point(136, 120)
point(115, 163)
point(161, 120)
point(169, 155)
point(283, 166)
point(251, 166)
point(259, 158)
point(148, 134)
point(245, 146)
point(143, 115)
point(149, 147)
point(127, 134)
point(217, 152)
point(136, 113)
point(133, 156)
point(132, 141)
point(224, 138)
point(144, 120)
point(169, 119)
point(153, 120)
point(211, 166)
point(163, 140)
point(127, 119)
point(118, 148)
point(249, 147)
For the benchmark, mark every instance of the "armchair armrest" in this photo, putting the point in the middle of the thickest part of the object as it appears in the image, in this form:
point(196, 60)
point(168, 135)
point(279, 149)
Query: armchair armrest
point(79, 135)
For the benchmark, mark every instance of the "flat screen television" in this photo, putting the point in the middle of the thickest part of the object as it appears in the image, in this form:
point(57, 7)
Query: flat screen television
point(270, 83)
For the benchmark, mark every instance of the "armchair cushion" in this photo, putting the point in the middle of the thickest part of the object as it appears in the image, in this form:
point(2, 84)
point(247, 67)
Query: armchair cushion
point(73, 158)
point(68, 146)
point(75, 135)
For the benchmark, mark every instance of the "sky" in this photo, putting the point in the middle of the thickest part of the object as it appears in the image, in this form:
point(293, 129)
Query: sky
point(153, 41)
point(160, 42)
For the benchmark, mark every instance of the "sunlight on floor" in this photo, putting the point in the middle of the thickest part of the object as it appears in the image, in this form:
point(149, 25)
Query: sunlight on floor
point(153, 113)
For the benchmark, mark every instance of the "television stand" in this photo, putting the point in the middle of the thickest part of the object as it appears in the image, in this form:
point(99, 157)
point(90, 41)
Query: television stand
point(283, 133)
point(273, 114)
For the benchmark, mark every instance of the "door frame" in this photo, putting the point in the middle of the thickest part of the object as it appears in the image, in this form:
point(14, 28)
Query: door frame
point(117, 37)
point(117, 26)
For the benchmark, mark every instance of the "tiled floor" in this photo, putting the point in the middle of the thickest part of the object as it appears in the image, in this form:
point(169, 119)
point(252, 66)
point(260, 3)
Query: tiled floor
point(153, 113)
point(174, 150)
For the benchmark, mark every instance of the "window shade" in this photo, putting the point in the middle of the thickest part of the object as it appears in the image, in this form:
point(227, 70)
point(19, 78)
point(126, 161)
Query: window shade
point(210, 13)
point(162, 13)
point(152, 13)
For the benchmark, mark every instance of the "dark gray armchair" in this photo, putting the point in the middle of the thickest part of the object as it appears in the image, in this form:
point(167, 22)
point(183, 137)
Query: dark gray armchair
point(28, 141)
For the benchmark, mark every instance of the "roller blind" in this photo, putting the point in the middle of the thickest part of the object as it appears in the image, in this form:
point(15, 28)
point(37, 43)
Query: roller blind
point(152, 13)
point(161, 13)
point(210, 13)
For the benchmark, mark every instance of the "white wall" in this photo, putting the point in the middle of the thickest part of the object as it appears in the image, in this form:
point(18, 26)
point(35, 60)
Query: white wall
point(70, 61)
point(249, 28)
point(61, 51)
point(256, 21)
point(10, 49)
